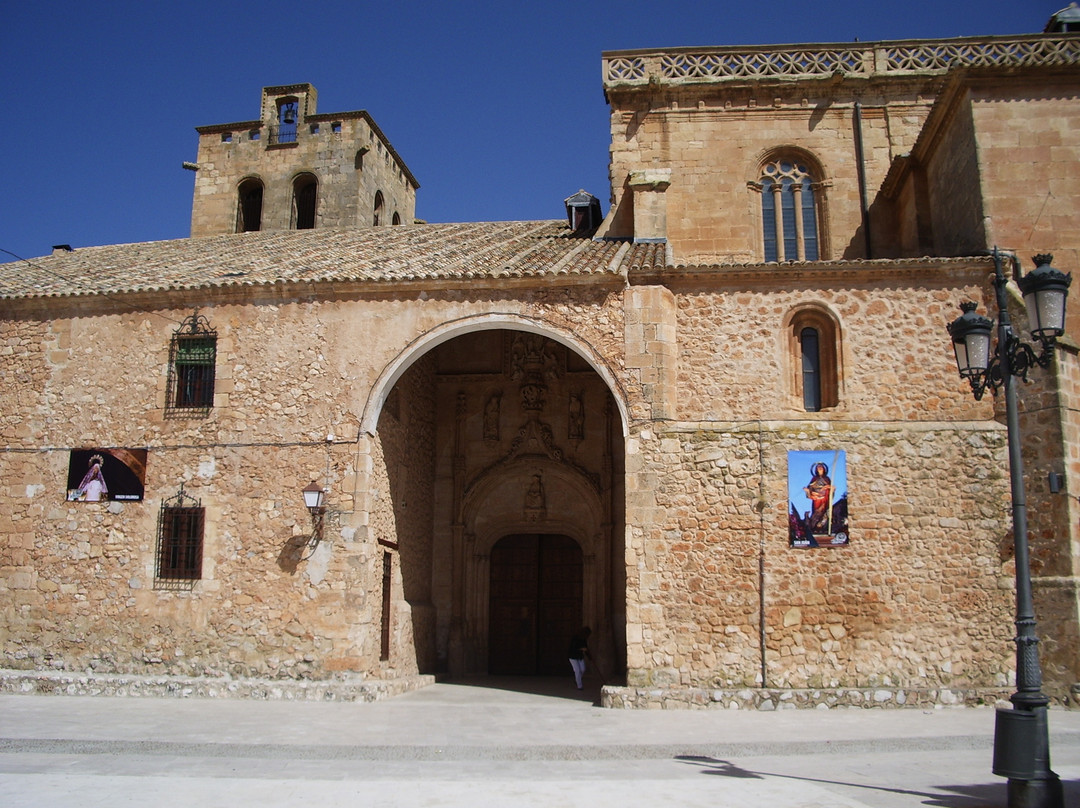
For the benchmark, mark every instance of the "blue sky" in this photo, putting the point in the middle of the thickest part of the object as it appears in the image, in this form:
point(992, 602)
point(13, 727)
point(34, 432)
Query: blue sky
point(497, 108)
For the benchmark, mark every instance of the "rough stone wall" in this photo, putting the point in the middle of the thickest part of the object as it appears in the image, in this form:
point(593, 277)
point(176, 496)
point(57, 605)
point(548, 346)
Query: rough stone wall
point(77, 581)
point(1048, 430)
point(921, 596)
point(401, 510)
point(918, 598)
point(735, 358)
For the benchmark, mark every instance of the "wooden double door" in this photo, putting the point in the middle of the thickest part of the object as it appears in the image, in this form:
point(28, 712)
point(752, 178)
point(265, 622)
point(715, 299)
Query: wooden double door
point(536, 603)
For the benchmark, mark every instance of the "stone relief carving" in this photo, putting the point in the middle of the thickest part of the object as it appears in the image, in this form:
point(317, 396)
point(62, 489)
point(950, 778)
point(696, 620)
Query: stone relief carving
point(535, 500)
point(491, 417)
point(575, 429)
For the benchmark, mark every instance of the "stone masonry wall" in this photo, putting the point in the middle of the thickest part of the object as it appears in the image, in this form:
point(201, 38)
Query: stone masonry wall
point(921, 597)
point(714, 141)
point(401, 511)
point(1029, 165)
point(347, 182)
point(77, 588)
point(918, 598)
point(956, 210)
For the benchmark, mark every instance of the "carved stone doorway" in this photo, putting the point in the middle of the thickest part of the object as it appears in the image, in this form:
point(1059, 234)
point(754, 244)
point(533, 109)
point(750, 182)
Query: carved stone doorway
point(536, 603)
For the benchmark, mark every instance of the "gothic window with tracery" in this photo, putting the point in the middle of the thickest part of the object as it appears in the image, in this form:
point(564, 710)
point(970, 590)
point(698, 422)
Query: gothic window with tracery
point(789, 211)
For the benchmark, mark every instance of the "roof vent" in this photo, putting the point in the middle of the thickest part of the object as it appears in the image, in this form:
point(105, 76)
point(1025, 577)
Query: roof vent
point(583, 211)
point(1064, 21)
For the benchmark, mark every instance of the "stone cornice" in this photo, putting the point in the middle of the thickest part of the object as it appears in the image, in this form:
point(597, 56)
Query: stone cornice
point(237, 126)
point(816, 62)
point(975, 269)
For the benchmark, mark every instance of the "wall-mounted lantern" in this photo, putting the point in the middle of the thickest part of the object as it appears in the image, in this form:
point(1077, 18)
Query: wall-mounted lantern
point(315, 500)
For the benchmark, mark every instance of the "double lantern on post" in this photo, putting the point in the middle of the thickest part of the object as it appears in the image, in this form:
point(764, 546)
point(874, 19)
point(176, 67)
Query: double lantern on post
point(1021, 734)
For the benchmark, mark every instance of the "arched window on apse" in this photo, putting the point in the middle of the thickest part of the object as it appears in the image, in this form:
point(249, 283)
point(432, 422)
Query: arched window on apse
point(790, 209)
point(249, 206)
point(814, 351)
point(305, 199)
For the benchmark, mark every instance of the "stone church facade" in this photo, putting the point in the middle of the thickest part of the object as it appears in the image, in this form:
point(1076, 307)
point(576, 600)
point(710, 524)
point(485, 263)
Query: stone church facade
point(525, 427)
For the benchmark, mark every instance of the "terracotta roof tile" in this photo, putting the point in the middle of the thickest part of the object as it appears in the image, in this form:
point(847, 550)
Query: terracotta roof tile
point(434, 252)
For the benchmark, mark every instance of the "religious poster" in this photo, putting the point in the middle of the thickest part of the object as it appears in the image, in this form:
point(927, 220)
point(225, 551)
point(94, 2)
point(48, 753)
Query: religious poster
point(817, 498)
point(101, 475)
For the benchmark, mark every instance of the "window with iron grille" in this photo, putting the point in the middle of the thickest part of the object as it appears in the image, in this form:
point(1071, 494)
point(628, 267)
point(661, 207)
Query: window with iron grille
point(178, 562)
point(192, 359)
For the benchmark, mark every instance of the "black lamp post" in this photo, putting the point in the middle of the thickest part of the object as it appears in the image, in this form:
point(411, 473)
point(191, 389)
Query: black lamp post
point(1021, 735)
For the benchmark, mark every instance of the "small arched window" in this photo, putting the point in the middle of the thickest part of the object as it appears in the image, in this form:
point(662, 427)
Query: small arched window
point(305, 199)
point(249, 206)
point(396, 218)
point(789, 210)
point(814, 351)
point(378, 208)
point(810, 344)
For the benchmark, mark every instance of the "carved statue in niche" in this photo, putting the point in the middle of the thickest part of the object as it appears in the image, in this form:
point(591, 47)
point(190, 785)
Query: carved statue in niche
point(575, 429)
point(533, 362)
point(491, 417)
point(535, 500)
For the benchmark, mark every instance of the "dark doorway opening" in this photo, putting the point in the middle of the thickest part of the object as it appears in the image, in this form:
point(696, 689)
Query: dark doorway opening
point(536, 603)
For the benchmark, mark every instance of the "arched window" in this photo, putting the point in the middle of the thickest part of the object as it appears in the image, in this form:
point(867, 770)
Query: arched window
point(305, 198)
point(810, 344)
point(249, 206)
point(814, 351)
point(789, 210)
point(378, 208)
point(396, 219)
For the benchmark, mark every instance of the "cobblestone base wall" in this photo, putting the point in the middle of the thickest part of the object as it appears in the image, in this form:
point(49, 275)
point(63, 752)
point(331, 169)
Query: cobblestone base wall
point(765, 699)
point(76, 684)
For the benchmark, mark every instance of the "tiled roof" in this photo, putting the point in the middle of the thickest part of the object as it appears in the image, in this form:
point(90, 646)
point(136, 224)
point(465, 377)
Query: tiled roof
point(377, 255)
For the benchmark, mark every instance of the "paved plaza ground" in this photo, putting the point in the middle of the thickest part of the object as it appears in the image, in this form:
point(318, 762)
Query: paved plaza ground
point(499, 743)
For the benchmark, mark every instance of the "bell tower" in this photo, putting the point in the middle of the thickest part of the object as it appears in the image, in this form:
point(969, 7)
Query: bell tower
point(297, 169)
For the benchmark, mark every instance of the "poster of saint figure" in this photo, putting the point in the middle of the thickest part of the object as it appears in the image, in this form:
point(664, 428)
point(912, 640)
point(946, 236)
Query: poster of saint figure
point(817, 498)
point(100, 475)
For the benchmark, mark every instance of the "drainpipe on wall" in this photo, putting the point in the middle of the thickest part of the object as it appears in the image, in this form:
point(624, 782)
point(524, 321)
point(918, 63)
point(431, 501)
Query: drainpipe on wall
point(761, 555)
point(860, 164)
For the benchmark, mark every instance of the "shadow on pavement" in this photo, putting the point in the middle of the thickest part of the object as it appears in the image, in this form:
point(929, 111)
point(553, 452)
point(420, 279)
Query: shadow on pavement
point(970, 796)
point(558, 687)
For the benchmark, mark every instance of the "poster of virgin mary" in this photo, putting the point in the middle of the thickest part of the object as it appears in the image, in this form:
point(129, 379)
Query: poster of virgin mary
point(817, 498)
point(100, 475)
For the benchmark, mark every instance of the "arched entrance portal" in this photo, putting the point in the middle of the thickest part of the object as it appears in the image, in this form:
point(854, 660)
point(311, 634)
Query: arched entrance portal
point(535, 609)
point(489, 444)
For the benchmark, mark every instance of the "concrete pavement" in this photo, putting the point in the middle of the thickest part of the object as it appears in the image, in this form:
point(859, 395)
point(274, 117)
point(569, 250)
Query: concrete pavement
point(492, 742)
